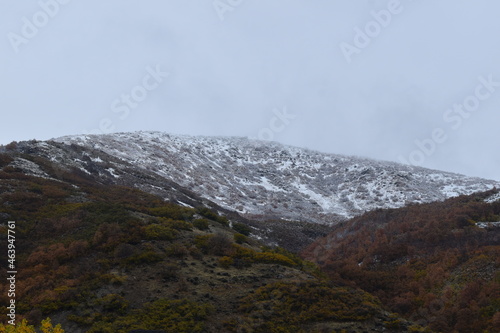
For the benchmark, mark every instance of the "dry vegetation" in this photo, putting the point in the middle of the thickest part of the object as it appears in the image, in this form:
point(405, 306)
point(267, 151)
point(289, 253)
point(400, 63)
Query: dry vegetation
point(102, 258)
point(430, 263)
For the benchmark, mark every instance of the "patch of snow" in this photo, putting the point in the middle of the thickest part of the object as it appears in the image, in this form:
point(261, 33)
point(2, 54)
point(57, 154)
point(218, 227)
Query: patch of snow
point(263, 177)
point(112, 172)
point(493, 198)
point(484, 225)
point(29, 168)
point(185, 204)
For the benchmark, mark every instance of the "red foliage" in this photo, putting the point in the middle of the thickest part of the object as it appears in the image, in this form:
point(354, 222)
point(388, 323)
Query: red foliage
point(428, 262)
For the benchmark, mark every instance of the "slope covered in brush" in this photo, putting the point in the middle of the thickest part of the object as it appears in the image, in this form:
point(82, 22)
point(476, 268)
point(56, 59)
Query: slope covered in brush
point(104, 258)
point(434, 263)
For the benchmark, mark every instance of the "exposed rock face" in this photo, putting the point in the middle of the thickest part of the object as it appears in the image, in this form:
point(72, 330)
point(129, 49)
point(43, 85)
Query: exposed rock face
point(269, 180)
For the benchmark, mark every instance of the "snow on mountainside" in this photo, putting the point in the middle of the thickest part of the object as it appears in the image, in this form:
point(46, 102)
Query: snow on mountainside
point(271, 180)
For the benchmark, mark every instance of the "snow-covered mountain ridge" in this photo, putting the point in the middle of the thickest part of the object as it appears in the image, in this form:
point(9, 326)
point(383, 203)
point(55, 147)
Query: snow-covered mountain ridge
point(270, 180)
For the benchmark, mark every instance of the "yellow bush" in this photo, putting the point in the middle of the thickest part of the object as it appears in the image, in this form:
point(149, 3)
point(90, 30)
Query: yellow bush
point(160, 232)
point(48, 328)
point(225, 262)
point(23, 327)
point(274, 258)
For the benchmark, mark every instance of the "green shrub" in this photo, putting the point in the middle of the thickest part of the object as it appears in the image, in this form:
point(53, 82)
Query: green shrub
point(240, 239)
point(146, 257)
point(172, 211)
point(171, 316)
point(284, 307)
point(206, 212)
point(211, 215)
point(242, 228)
point(98, 213)
point(201, 224)
point(113, 303)
point(176, 224)
point(159, 232)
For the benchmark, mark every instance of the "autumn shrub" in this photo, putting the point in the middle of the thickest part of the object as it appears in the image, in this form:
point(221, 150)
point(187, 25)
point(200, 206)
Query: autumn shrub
point(169, 272)
point(177, 250)
point(242, 256)
point(225, 262)
point(219, 245)
point(422, 259)
point(195, 252)
point(5, 160)
point(11, 146)
point(23, 327)
point(272, 258)
point(108, 236)
point(245, 256)
point(201, 242)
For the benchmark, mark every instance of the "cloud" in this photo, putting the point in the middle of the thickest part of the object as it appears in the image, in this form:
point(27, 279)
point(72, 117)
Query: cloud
point(227, 77)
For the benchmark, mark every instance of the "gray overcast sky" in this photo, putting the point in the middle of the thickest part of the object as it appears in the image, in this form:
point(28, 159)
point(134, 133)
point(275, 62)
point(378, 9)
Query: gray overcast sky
point(393, 80)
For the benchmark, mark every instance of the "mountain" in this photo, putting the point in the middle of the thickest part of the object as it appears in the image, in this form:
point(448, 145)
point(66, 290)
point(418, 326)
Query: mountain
point(152, 231)
point(289, 196)
point(98, 257)
point(268, 180)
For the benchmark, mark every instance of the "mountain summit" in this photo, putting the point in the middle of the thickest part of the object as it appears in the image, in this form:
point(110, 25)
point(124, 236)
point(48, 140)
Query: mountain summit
point(268, 180)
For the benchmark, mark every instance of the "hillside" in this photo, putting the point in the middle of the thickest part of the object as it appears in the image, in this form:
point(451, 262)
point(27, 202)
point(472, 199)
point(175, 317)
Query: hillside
point(99, 257)
point(268, 180)
point(289, 196)
point(437, 264)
